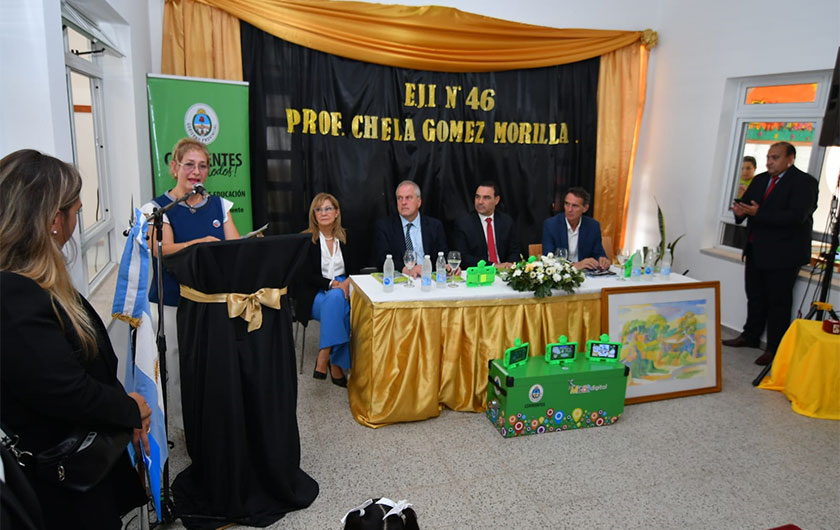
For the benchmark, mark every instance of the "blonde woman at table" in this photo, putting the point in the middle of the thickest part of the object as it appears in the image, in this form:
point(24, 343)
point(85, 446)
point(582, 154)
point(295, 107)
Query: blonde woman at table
point(323, 288)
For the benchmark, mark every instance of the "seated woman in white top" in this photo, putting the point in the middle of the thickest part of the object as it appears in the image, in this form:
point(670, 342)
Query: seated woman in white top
point(323, 288)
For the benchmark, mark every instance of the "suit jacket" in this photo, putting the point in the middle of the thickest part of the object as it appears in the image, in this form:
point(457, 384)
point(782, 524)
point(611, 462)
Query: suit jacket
point(470, 241)
point(48, 390)
point(389, 238)
point(309, 280)
point(555, 236)
point(779, 235)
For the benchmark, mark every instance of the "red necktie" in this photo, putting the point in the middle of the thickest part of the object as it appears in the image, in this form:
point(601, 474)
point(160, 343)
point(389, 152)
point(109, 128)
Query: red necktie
point(773, 181)
point(491, 242)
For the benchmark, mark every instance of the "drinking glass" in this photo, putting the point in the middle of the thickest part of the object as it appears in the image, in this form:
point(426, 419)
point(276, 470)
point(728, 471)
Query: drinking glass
point(622, 257)
point(561, 253)
point(454, 259)
point(410, 260)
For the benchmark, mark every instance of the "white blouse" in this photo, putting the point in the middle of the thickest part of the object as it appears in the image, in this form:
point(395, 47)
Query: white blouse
point(331, 265)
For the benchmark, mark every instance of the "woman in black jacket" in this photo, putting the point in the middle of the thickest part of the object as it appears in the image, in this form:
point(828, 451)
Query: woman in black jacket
point(57, 366)
point(323, 290)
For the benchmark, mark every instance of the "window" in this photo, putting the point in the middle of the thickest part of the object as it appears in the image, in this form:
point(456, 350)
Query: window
point(772, 109)
point(84, 88)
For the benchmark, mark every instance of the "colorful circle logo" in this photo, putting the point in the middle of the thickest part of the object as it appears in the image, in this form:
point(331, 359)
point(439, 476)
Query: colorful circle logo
point(536, 393)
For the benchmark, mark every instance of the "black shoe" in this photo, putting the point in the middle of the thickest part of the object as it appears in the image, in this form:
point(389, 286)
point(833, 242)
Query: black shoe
point(766, 358)
point(740, 342)
point(319, 375)
point(342, 381)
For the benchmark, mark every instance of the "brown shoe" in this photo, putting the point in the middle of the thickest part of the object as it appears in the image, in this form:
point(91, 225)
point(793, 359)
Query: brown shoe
point(766, 358)
point(740, 342)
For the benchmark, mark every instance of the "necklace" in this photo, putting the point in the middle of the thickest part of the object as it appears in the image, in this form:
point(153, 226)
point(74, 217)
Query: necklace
point(328, 238)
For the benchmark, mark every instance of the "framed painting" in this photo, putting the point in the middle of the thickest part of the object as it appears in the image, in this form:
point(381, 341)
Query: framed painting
point(669, 335)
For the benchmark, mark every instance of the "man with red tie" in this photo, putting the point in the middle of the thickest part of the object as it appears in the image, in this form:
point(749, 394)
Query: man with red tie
point(486, 234)
point(778, 206)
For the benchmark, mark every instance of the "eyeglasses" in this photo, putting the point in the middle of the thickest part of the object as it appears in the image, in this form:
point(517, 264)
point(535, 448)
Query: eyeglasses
point(325, 209)
point(190, 166)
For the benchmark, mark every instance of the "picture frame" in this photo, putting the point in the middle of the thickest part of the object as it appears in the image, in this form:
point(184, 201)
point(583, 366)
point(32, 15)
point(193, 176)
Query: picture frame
point(670, 337)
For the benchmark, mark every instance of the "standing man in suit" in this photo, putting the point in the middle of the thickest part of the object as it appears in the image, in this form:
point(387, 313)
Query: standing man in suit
point(486, 234)
point(778, 206)
point(393, 235)
point(580, 235)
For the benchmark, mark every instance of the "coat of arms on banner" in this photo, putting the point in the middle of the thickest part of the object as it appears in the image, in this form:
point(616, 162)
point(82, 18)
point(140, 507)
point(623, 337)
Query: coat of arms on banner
point(201, 123)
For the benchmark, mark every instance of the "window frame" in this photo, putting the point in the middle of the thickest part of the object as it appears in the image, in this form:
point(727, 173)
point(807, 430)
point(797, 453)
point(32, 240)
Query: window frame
point(104, 228)
point(744, 113)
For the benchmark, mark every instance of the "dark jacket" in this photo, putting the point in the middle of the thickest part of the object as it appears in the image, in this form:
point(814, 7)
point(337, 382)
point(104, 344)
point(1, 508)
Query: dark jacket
point(779, 235)
point(470, 241)
point(48, 390)
point(389, 238)
point(555, 235)
point(309, 280)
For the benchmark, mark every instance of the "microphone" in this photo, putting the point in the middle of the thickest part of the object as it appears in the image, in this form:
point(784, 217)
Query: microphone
point(199, 189)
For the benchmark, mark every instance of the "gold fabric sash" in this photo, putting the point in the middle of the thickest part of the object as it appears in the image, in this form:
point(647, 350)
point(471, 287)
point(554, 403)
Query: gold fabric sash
point(247, 306)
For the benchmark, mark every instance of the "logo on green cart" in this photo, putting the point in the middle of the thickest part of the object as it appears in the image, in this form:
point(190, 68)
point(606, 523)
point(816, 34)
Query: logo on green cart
point(536, 393)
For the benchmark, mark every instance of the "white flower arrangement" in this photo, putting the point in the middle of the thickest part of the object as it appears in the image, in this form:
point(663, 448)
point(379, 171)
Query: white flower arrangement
point(542, 274)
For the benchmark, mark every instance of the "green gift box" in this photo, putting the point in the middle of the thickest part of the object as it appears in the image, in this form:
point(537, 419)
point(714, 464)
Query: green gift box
point(537, 397)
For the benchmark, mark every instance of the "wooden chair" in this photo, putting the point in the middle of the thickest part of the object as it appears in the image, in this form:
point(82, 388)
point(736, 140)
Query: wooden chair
point(535, 249)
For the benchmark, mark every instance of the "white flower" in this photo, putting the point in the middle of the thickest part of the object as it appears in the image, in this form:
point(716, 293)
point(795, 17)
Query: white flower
point(517, 272)
point(556, 277)
point(533, 274)
point(540, 277)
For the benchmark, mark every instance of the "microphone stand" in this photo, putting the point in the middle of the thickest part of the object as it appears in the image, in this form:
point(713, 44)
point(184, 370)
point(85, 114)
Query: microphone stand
point(166, 504)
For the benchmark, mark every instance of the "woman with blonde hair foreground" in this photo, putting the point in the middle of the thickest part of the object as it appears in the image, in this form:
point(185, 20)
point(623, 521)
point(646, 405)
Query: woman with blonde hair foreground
point(57, 365)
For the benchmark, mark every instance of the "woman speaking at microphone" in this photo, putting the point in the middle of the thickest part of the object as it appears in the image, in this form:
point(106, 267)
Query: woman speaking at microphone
point(199, 219)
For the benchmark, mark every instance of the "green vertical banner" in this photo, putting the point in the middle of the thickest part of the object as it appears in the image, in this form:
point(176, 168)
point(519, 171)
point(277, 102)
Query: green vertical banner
point(215, 113)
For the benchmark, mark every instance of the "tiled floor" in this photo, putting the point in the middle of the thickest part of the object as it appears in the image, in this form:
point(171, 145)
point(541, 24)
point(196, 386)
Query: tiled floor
point(739, 459)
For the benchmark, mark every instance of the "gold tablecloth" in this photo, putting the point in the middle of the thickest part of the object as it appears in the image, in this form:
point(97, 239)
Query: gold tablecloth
point(807, 370)
point(411, 358)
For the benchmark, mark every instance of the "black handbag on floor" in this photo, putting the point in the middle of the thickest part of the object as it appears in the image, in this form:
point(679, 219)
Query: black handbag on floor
point(79, 462)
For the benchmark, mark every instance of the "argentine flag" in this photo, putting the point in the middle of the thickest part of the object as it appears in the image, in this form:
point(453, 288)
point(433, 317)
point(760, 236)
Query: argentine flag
point(142, 375)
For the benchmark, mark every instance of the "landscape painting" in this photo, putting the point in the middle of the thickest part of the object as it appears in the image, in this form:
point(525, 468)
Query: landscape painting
point(669, 335)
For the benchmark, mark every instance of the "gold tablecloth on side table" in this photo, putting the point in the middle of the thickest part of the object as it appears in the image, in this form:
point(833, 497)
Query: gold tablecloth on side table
point(807, 370)
point(411, 358)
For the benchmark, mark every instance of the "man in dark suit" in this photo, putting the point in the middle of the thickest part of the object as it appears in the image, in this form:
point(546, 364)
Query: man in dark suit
point(392, 234)
point(778, 206)
point(485, 229)
point(579, 235)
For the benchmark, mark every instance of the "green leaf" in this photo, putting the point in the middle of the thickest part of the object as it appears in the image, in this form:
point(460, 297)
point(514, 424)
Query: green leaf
point(661, 217)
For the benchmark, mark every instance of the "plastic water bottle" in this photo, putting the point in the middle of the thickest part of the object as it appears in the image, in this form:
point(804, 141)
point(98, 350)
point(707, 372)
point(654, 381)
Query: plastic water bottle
point(388, 274)
point(665, 269)
point(426, 278)
point(648, 272)
point(440, 271)
point(636, 268)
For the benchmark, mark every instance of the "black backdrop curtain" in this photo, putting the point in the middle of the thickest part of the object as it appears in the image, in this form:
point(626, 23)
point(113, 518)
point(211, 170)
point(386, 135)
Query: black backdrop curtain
point(289, 168)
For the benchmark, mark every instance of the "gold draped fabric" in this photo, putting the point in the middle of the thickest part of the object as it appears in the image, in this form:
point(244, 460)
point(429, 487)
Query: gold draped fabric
point(247, 306)
point(807, 370)
point(411, 359)
point(201, 39)
point(442, 39)
point(622, 81)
